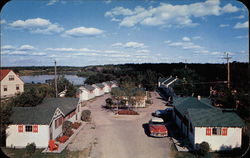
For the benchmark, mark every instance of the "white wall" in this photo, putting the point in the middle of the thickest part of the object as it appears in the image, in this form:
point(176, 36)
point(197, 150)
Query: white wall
point(20, 140)
point(233, 138)
point(84, 95)
point(106, 88)
point(11, 85)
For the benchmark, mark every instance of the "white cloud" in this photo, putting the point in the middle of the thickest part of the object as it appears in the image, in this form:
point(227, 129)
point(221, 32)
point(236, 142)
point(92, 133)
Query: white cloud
point(3, 21)
point(143, 51)
point(168, 41)
point(51, 2)
point(241, 25)
point(196, 37)
point(130, 45)
point(239, 17)
point(229, 8)
point(224, 25)
point(7, 47)
point(37, 25)
point(240, 37)
point(26, 48)
point(107, 1)
point(186, 39)
point(71, 50)
point(168, 14)
point(82, 32)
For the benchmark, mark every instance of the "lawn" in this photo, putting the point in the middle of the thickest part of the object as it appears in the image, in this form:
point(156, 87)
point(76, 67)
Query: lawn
point(20, 153)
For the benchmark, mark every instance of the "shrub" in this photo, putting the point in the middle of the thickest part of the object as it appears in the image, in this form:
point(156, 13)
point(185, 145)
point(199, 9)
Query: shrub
point(30, 148)
point(149, 101)
point(66, 126)
point(76, 125)
point(203, 149)
point(86, 115)
point(68, 132)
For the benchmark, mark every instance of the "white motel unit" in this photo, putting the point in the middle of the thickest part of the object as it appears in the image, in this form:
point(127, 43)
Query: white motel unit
point(99, 89)
point(199, 121)
point(107, 87)
point(41, 123)
point(86, 92)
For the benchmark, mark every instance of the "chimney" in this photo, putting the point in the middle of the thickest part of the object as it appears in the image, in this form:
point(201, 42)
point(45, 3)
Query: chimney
point(199, 97)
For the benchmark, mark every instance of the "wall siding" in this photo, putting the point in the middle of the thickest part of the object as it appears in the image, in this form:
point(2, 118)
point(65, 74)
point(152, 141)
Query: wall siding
point(219, 142)
point(20, 140)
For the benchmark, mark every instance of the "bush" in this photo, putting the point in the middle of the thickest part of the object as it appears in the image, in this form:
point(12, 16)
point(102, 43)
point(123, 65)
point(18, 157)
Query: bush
point(86, 115)
point(149, 101)
point(203, 149)
point(67, 125)
point(127, 112)
point(68, 132)
point(30, 148)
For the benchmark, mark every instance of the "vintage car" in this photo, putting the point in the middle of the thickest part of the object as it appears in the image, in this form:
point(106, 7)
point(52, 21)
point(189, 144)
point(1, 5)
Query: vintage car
point(162, 113)
point(157, 127)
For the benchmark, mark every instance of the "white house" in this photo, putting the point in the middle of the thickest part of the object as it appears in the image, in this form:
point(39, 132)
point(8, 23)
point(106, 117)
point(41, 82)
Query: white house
point(86, 92)
point(199, 121)
point(99, 89)
point(107, 87)
point(41, 123)
point(10, 83)
point(166, 82)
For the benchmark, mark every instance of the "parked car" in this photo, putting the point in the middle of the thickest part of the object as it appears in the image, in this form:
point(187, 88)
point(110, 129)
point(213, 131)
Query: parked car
point(157, 127)
point(162, 113)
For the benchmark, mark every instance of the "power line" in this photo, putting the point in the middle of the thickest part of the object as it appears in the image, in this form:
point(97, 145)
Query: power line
point(228, 69)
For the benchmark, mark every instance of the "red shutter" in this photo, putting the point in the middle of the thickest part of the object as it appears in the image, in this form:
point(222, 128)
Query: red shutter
point(20, 128)
point(224, 131)
point(208, 131)
point(35, 128)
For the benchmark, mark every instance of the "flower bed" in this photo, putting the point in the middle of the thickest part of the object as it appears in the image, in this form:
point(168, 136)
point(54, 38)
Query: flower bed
point(127, 112)
point(76, 125)
point(62, 139)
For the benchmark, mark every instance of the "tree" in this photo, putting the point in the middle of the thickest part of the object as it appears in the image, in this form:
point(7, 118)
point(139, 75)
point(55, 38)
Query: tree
point(5, 113)
point(63, 83)
point(109, 102)
point(203, 149)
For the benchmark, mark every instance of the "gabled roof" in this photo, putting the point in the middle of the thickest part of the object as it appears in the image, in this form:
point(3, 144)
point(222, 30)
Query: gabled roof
point(87, 87)
point(202, 114)
point(43, 113)
point(167, 81)
point(4, 73)
point(100, 85)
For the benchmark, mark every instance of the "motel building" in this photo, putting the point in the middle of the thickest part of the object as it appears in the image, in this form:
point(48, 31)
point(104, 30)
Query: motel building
point(41, 123)
point(199, 121)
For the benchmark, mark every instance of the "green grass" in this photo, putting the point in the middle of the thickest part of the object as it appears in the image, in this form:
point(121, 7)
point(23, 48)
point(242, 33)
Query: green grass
point(21, 153)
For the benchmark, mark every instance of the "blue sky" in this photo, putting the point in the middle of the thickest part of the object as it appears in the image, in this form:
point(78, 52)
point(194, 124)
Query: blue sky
point(95, 32)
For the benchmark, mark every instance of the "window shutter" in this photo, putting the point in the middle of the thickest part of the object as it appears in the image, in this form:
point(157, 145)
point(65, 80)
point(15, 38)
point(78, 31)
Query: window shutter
point(35, 128)
point(20, 128)
point(208, 131)
point(224, 131)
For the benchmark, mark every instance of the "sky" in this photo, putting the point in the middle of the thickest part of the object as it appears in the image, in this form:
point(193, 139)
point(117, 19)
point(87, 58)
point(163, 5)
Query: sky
point(98, 32)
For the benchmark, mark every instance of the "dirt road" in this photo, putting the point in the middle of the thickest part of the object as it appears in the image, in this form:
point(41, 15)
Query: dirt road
point(124, 136)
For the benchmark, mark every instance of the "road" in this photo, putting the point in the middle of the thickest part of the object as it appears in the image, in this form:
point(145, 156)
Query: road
point(124, 136)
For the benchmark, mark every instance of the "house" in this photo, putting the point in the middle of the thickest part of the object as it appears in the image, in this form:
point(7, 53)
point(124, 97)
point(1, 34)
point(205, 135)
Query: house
point(11, 84)
point(199, 121)
point(107, 87)
point(165, 86)
point(85, 92)
point(41, 123)
point(99, 89)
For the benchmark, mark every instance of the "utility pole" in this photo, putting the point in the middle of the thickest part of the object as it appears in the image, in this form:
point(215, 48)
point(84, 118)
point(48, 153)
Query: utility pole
point(185, 63)
point(228, 69)
point(55, 80)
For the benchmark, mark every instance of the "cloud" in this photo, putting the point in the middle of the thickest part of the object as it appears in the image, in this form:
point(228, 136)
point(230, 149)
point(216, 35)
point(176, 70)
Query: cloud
point(71, 50)
point(240, 37)
point(186, 39)
point(168, 14)
point(196, 37)
point(130, 45)
point(242, 25)
point(7, 48)
point(82, 32)
point(143, 51)
point(26, 48)
point(3, 21)
point(51, 2)
point(223, 25)
point(107, 1)
point(168, 41)
point(240, 17)
point(37, 25)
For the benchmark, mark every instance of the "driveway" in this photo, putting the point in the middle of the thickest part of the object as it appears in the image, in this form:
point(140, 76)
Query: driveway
point(125, 136)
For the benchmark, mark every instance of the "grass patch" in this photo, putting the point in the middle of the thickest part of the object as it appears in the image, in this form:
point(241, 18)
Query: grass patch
point(20, 153)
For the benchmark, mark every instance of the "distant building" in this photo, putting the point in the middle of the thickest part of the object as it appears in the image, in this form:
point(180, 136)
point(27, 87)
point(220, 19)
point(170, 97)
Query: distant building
point(85, 92)
point(99, 89)
point(165, 85)
point(199, 121)
point(11, 84)
point(107, 87)
point(41, 123)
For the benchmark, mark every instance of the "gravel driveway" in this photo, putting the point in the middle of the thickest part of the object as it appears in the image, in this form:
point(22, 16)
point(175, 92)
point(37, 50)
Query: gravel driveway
point(122, 136)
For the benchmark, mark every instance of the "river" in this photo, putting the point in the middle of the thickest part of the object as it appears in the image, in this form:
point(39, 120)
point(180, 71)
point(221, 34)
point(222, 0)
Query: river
point(42, 78)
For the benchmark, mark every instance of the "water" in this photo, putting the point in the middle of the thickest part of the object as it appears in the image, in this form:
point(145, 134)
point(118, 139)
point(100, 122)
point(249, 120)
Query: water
point(42, 78)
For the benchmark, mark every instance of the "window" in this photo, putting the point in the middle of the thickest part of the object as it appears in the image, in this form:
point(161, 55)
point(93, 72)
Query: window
point(191, 128)
point(17, 87)
point(224, 132)
point(11, 77)
point(28, 128)
point(5, 88)
point(216, 131)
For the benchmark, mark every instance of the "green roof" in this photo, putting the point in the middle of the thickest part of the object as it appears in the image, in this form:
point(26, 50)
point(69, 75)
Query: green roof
point(214, 118)
point(43, 113)
point(202, 114)
point(100, 85)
